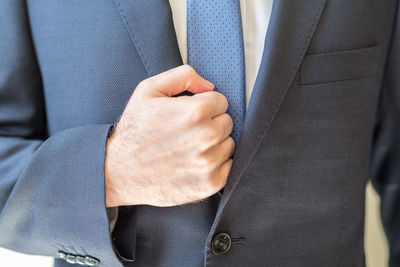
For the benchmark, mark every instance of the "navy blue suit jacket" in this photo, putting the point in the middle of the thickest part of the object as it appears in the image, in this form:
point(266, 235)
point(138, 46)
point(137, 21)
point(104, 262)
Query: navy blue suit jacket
point(295, 194)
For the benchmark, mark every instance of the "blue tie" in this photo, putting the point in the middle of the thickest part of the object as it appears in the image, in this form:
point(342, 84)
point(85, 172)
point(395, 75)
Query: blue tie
point(215, 51)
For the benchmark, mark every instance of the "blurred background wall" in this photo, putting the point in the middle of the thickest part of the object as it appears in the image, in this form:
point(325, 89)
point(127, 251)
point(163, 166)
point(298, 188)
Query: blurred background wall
point(375, 243)
point(376, 248)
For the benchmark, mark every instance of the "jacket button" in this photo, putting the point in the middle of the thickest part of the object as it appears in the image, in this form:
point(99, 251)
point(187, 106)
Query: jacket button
point(80, 260)
point(90, 261)
point(70, 258)
point(62, 255)
point(221, 243)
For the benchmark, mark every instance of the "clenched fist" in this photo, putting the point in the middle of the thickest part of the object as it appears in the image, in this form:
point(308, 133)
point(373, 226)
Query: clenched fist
point(168, 151)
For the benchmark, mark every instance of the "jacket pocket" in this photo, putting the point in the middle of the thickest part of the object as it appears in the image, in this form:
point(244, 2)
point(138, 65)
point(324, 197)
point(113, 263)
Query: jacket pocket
point(339, 66)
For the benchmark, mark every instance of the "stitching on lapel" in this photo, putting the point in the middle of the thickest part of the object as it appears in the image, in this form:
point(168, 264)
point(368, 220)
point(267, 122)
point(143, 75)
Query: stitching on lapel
point(133, 37)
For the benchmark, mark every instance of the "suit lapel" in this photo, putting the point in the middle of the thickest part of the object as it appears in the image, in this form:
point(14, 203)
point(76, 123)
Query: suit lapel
point(291, 27)
point(151, 29)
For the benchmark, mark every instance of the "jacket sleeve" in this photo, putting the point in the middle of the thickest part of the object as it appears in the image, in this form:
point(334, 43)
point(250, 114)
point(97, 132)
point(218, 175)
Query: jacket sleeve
point(52, 192)
point(385, 167)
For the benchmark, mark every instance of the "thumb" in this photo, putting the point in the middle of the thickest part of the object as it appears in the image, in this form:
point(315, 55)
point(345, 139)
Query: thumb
point(175, 81)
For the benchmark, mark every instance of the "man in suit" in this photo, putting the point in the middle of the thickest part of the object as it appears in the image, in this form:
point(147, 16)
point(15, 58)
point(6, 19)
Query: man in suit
point(114, 153)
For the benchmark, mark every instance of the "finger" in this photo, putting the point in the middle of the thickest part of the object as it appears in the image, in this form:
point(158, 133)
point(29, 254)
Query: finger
point(217, 102)
point(224, 171)
point(225, 149)
point(222, 151)
point(173, 82)
point(224, 124)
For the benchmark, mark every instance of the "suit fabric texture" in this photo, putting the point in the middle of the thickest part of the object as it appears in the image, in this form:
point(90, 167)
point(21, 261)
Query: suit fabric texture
point(295, 194)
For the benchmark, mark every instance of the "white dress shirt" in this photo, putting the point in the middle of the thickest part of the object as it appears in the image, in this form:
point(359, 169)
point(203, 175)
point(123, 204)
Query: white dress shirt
point(255, 19)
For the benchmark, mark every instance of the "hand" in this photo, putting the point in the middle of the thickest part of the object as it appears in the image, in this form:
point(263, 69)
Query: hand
point(168, 151)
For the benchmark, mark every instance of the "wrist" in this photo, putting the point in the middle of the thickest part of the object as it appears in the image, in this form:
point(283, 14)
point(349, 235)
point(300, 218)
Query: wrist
point(118, 175)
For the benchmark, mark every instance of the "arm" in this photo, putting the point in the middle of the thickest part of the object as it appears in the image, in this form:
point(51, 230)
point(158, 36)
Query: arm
point(51, 189)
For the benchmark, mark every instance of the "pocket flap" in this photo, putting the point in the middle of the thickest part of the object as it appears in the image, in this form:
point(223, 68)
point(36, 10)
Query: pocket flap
point(339, 66)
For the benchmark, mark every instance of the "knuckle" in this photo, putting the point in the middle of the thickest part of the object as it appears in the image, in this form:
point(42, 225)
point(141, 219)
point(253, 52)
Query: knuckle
point(194, 116)
point(228, 120)
point(199, 111)
point(204, 107)
point(144, 83)
point(221, 99)
point(210, 136)
point(188, 72)
point(207, 165)
point(231, 146)
point(207, 138)
point(187, 69)
point(203, 146)
point(224, 99)
point(231, 142)
point(189, 75)
point(208, 168)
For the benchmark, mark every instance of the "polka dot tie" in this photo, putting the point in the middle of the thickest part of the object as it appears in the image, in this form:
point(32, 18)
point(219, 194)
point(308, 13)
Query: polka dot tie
point(215, 51)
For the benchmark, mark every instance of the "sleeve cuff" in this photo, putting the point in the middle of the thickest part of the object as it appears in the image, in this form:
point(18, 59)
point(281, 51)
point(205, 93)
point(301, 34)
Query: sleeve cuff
point(112, 214)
